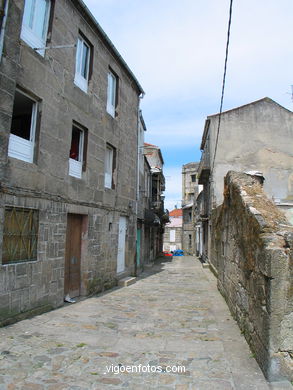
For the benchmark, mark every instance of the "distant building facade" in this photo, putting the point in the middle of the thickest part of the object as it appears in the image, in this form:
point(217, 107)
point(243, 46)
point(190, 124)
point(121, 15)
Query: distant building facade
point(156, 216)
point(254, 137)
point(189, 192)
point(173, 231)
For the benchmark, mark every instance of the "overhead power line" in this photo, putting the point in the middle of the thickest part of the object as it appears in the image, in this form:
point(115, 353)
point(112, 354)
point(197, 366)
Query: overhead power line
point(224, 81)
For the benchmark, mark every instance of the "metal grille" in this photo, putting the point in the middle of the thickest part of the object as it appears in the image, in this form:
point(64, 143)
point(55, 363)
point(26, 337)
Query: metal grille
point(20, 235)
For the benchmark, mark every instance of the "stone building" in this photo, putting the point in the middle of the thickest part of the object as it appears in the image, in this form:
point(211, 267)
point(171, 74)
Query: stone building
point(254, 137)
point(156, 216)
point(190, 191)
point(68, 160)
point(151, 216)
point(172, 239)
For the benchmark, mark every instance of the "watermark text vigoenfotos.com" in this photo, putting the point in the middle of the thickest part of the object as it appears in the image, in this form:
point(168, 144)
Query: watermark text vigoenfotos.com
point(140, 368)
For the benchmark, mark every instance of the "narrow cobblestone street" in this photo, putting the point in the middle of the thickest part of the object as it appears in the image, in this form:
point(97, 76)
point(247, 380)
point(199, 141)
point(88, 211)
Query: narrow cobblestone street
point(172, 316)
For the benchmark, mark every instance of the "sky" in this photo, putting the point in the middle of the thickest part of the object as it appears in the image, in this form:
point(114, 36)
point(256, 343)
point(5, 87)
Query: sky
point(176, 50)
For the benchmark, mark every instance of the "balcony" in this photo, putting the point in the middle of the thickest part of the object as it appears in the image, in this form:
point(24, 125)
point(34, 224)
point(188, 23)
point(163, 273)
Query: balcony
point(204, 168)
point(157, 204)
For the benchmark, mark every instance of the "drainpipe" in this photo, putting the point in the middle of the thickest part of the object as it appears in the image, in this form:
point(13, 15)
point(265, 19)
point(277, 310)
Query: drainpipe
point(5, 12)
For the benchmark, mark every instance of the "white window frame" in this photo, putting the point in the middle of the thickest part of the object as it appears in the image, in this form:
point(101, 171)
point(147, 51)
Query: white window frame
point(79, 79)
point(28, 31)
point(19, 147)
point(109, 156)
point(172, 235)
point(75, 166)
point(111, 93)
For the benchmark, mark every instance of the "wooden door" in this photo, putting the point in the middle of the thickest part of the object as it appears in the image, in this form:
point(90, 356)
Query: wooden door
point(73, 255)
point(121, 245)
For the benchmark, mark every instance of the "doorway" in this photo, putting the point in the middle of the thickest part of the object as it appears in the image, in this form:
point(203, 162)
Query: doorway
point(73, 255)
point(121, 245)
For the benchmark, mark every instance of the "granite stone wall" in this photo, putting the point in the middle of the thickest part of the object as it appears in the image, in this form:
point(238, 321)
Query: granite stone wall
point(252, 245)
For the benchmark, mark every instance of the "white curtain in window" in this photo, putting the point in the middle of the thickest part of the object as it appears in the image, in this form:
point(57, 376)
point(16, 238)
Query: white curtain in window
point(108, 167)
point(111, 96)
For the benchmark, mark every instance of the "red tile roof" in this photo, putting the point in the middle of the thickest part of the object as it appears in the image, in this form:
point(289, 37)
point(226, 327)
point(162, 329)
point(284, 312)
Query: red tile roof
point(176, 213)
point(146, 144)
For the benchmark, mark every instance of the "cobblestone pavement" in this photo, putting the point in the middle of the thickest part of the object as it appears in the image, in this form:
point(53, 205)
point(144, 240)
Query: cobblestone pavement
point(172, 316)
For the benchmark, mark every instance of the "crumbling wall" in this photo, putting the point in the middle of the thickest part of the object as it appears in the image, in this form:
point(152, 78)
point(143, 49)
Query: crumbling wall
point(252, 243)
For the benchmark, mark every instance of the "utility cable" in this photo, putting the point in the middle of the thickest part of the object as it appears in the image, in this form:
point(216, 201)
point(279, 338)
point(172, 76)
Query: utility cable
point(224, 81)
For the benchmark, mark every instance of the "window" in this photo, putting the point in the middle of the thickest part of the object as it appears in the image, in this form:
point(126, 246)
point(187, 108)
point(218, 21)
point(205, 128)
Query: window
point(77, 154)
point(35, 23)
point(82, 66)
point(193, 177)
point(112, 93)
point(172, 235)
point(109, 166)
point(23, 128)
point(20, 235)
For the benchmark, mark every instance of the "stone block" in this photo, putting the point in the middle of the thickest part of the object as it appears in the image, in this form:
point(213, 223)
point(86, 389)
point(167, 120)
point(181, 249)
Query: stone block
point(125, 282)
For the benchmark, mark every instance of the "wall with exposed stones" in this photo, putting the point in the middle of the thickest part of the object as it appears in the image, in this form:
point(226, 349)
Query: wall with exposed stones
point(252, 246)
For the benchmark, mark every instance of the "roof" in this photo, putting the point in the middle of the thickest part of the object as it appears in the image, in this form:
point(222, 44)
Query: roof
point(176, 213)
point(209, 117)
point(112, 48)
point(151, 146)
point(265, 99)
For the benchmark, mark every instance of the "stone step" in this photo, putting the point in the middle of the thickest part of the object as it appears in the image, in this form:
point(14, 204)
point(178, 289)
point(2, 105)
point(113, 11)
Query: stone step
point(125, 282)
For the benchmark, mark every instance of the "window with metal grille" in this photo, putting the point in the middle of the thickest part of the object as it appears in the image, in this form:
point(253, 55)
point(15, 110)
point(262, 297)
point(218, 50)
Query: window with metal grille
point(20, 235)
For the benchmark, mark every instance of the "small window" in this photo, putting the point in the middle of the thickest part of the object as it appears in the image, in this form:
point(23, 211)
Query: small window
point(35, 23)
point(23, 128)
point(82, 66)
point(20, 235)
point(112, 93)
point(77, 154)
point(109, 166)
point(193, 177)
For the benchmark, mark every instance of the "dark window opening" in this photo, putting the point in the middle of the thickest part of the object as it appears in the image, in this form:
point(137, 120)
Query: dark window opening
point(23, 109)
point(76, 144)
